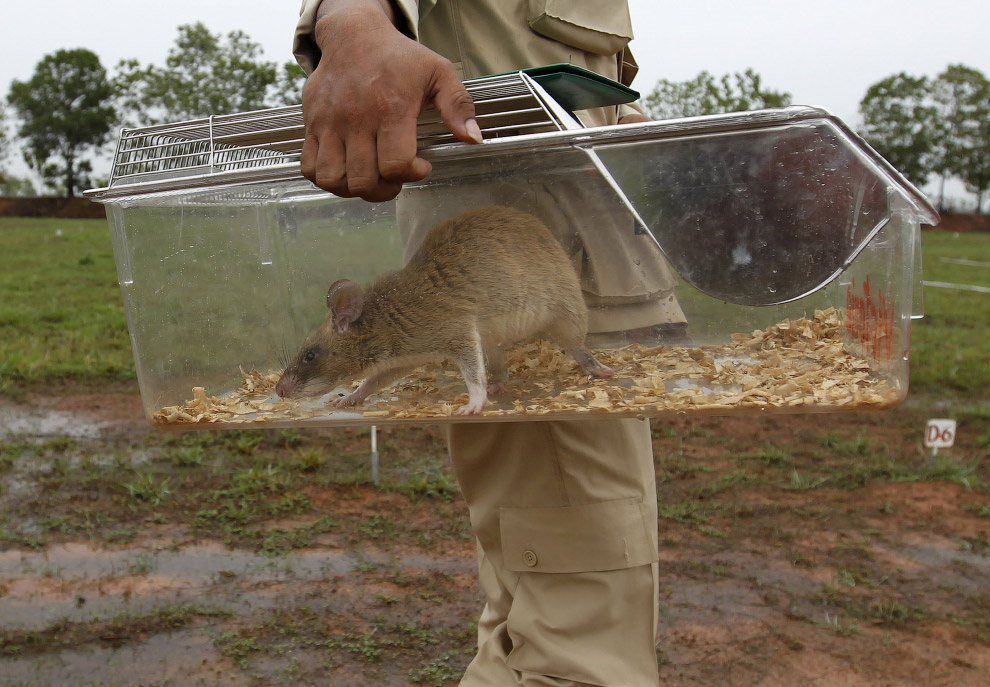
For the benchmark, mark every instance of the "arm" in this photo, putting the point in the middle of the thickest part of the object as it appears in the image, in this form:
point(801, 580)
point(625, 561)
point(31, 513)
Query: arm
point(361, 102)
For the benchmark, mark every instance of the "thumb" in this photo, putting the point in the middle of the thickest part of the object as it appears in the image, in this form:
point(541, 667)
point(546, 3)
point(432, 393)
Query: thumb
point(456, 107)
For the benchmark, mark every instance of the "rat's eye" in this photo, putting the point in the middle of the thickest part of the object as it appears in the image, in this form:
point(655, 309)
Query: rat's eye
point(309, 357)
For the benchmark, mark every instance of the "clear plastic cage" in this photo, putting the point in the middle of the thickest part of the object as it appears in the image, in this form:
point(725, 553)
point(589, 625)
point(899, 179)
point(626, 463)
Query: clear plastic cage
point(752, 262)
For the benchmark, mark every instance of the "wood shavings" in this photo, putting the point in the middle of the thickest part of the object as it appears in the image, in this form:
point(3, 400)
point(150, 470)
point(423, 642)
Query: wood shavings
point(793, 364)
point(253, 398)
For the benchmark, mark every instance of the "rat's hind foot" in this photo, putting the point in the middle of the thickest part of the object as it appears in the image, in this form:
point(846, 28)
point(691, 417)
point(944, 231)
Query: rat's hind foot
point(600, 371)
point(589, 363)
point(497, 388)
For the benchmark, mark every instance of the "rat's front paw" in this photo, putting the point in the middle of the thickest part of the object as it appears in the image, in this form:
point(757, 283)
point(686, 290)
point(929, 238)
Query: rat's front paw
point(477, 400)
point(351, 399)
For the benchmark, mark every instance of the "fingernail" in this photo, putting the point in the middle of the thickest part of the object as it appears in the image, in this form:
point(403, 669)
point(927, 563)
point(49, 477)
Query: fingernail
point(474, 131)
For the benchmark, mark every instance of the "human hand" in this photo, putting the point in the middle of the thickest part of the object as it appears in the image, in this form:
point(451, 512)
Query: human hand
point(361, 103)
point(634, 119)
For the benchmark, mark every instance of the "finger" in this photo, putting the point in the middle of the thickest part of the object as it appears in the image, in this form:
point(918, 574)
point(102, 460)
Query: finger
point(455, 105)
point(329, 173)
point(397, 159)
point(307, 158)
point(634, 119)
point(382, 192)
point(361, 165)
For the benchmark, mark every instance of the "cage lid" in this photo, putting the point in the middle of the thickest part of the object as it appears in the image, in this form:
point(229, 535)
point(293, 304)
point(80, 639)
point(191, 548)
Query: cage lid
point(757, 208)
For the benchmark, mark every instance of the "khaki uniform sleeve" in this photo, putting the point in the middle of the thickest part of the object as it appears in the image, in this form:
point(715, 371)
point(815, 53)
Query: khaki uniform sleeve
point(628, 68)
point(630, 109)
point(307, 53)
point(304, 47)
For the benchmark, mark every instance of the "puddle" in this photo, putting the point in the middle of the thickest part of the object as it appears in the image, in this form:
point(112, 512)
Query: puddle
point(79, 583)
point(24, 420)
point(943, 555)
point(184, 657)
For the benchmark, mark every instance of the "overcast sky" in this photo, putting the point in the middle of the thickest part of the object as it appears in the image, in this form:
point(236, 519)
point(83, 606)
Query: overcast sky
point(823, 53)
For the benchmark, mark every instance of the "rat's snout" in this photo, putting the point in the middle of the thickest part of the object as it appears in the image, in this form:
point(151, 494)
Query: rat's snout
point(287, 385)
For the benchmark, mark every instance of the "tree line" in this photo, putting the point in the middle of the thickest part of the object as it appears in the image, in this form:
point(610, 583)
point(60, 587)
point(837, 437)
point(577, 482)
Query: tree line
point(928, 128)
point(933, 127)
point(71, 106)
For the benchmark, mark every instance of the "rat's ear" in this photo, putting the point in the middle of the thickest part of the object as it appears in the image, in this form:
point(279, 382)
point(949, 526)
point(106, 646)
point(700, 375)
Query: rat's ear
point(344, 301)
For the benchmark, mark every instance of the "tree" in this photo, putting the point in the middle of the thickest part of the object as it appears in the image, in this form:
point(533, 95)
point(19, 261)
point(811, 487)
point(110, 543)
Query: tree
point(4, 139)
point(962, 98)
point(64, 111)
point(12, 186)
point(936, 126)
point(288, 88)
point(707, 95)
point(9, 185)
point(205, 74)
point(899, 121)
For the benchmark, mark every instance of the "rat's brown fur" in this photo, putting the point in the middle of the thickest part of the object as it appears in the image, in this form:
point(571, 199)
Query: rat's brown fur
point(480, 281)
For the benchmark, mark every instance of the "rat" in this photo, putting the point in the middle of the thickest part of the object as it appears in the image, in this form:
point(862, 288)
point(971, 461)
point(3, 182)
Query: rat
point(480, 281)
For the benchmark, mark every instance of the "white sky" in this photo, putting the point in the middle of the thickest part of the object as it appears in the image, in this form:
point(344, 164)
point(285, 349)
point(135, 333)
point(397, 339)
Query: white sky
point(824, 53)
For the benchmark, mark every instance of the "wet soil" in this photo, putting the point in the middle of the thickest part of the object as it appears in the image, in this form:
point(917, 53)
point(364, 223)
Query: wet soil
point(826, 550)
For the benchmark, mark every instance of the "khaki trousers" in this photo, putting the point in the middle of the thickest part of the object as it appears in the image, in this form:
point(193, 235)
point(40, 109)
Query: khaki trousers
point(565, 514)
point(565, 511)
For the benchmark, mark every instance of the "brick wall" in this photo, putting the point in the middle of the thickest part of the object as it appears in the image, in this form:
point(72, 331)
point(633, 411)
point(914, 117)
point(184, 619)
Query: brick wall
point(964, 222)
point(69, 208)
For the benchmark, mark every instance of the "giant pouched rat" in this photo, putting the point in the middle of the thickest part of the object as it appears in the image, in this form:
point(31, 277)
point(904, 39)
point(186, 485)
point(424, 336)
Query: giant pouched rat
point(480, 281)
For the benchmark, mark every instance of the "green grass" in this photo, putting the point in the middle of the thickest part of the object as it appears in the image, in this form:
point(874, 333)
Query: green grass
point(146, 487)
point(949, 346)
point(62, 316)
point(246, 488)
point(61, 312)
point(292, 637)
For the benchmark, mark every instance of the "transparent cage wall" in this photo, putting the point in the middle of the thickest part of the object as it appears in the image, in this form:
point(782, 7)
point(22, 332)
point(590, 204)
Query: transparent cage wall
point(793, 262)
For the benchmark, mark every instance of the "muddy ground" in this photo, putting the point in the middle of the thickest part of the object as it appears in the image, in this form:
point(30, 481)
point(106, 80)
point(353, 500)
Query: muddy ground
point(826, 550)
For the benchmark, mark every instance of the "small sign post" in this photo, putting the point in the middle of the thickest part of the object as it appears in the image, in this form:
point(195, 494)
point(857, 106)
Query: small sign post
point(940, 433)
point(374, 455)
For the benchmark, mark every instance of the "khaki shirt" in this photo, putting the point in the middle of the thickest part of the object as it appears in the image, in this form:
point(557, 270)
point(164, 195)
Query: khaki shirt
point(483, 37)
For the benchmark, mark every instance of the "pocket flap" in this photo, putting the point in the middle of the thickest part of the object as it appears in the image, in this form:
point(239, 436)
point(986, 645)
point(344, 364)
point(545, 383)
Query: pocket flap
point(599, 26)
point(613, 535)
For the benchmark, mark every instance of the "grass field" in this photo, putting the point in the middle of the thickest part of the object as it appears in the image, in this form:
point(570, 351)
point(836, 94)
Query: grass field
point(950, 348)
point(61, 314)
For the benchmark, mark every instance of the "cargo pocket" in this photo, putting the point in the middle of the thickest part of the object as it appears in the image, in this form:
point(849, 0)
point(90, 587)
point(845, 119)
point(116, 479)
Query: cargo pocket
point(591, 618)
point(613, 535)
point(599, 26)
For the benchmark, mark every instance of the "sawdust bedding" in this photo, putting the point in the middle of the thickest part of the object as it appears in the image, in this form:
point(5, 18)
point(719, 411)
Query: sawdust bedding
point(794, 363)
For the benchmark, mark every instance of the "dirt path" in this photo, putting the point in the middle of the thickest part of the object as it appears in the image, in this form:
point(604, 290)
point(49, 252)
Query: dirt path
point(806, 550)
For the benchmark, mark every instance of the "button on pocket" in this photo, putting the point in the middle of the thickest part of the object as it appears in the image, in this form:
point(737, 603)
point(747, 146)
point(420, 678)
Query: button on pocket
point(609, 535)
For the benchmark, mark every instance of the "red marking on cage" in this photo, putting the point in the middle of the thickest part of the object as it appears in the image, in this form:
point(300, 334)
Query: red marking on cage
point(869, 321)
